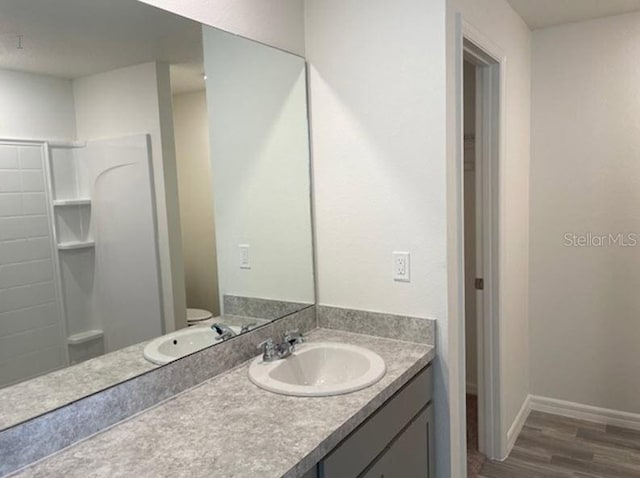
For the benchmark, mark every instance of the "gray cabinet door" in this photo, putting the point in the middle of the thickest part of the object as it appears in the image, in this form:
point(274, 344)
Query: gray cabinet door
point(410, 455)
point(351, 457)
point(312, 473)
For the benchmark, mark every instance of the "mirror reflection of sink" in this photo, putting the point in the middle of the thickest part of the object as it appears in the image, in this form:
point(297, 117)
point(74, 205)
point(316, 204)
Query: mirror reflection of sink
point(178, 344)
point(319, 369)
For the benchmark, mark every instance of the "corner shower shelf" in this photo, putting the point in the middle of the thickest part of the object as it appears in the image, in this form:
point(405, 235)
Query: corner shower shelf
point(72, 202)
point(68, 246)
point(82, 337)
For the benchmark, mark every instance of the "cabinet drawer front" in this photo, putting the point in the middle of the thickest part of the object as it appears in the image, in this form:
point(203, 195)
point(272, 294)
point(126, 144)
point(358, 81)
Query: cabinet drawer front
point(409, 454)
point(360, 448)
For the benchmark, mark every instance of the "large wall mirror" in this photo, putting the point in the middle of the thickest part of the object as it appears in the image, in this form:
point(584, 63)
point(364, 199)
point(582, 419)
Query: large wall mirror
point(154, 194)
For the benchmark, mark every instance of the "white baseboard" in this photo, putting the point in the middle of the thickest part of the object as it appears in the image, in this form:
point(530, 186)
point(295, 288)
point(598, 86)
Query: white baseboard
point(585, 412)
point(516, 426)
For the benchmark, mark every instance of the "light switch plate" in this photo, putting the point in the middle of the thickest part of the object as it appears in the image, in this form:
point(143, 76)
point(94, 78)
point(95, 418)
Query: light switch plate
point(402, 267)
point(245, 259)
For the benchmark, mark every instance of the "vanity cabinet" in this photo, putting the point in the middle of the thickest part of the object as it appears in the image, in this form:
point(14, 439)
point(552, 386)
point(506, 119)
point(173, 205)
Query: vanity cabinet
point(396, 441)
point(406, 457)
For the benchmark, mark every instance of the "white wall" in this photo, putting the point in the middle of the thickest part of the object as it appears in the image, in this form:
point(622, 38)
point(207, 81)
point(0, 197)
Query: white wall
point(505, 31)
point(195, 188)
point(279, 23)
point(133, 100)
point(377, 84)
point(256, 97)
point(378, 144)
point(584, 178)
point(35, 106)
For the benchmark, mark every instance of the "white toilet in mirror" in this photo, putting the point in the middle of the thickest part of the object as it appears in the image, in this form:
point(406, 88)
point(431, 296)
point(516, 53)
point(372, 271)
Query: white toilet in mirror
point(197, 316)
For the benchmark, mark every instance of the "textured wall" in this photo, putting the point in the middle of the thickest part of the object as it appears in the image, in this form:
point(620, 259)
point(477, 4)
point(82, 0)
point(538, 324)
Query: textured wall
point(585, 179)
point(36, 106)
point(377, 82)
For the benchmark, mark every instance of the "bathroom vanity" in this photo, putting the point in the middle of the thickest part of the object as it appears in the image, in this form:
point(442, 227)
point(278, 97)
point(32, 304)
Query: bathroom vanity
point(168, 171)
point(228, 427)
point(397, 440)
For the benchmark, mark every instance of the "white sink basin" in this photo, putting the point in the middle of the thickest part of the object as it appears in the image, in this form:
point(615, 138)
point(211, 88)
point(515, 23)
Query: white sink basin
point(178, 344)
point(319, 369)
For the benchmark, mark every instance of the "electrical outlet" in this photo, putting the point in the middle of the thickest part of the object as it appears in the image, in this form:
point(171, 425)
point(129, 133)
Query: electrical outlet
point(245, 262)
point(402, 266)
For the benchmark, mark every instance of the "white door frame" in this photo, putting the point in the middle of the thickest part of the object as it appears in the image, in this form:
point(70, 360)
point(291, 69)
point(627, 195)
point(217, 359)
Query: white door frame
point(490, 65)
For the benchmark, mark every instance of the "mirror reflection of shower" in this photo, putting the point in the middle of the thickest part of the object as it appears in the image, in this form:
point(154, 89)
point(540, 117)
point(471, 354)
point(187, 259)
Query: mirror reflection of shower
point(85, 259)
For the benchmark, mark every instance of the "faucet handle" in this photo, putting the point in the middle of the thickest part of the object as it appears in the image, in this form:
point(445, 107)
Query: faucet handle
point(293, 337)
point(247, 327)
point(266, 344)
point(269, 349)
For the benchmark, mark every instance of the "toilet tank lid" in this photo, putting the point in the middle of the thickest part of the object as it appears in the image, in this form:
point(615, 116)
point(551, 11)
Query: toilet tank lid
point(197, 315)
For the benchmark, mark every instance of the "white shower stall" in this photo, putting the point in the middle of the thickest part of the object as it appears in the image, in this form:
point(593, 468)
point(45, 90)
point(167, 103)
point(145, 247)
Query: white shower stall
point(91, 282)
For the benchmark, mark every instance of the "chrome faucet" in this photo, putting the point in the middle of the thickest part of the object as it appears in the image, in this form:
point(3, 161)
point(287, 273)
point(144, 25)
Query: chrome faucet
point(223, 331)
point(272, 351)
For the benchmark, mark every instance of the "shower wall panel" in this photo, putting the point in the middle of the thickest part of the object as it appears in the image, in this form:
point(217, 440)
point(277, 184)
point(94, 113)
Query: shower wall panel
point(32, 334)
point(126, 252)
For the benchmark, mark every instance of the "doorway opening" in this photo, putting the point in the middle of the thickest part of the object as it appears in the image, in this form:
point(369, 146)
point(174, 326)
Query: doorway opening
point(475, 459)
point(195, 199)
point(480, 127)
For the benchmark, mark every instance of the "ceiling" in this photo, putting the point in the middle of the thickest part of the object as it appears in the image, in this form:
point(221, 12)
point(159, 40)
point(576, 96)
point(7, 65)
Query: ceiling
point(75, 38)
point(545, 13)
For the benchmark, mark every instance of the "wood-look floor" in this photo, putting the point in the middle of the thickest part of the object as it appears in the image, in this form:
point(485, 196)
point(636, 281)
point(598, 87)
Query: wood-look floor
point(551, 446)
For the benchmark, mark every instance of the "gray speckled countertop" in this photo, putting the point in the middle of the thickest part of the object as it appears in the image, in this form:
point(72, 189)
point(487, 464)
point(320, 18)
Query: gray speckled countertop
point(42, 394)
point(228, 427)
